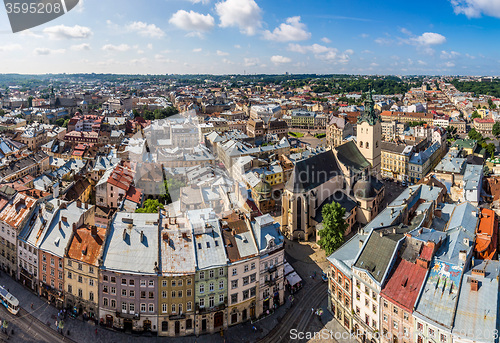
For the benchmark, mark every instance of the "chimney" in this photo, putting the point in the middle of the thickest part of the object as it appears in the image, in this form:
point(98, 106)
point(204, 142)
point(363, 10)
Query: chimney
point(59, 225)
point(462, 255)
point(474, 285)
point(142, 236)
point(74, 228)
point(381, 233)
point(124, 234)
point(93, 230)
point(361, 243)
point(437, 212)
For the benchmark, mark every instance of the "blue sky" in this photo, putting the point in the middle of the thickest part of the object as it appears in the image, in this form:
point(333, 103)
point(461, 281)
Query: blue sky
point(255, 36)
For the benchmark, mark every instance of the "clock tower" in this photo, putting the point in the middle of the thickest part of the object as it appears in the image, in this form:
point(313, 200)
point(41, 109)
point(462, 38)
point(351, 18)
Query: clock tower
point(369, 134)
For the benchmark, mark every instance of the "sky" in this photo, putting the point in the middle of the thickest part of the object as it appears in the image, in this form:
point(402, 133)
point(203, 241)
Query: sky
point(445, 37)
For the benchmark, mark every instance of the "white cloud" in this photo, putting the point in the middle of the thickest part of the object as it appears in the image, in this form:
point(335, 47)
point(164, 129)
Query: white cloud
point(222, 53)
point(46, 51)
point(192, 21)
point(383, 41)
point(237, 46)
point(150, 46)
point(250, 61)
point(326, 40)
point(364, 35)
point(280, 59)
point(476, 8)
point(446, 55)
point(68, 32)
point(204, 2)
point(226, 61)
point(118, 48)
point(323, 52)
point(146, 30)
point(162, 59)
point(80, 8)
point(430, 38)
point(80, 47)
point(292, 30)
point(10, 47)
point(422, 63)
point(245, 14)
point(197, 50)
point(29, 33)
point(373, 64)
point(449, 64)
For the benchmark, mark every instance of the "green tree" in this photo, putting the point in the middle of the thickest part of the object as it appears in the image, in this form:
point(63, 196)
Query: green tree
point(491, 149)
point(473, 134)
point(2, 113)
point(475, 115)
point(496, 129)
point(334, 226)
point(149, 206)
point(30, 101)
point(66, 122)
point(60, 122)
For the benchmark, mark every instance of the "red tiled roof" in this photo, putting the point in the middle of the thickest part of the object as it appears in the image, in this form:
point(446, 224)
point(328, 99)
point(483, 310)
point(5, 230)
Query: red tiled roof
point(404, 284)
point(134, 194)
point(121, 177)
point(486, 235)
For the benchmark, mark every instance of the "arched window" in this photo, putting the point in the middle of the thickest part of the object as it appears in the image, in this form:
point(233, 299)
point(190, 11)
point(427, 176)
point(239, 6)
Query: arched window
point(360, 144)
point(367, 145)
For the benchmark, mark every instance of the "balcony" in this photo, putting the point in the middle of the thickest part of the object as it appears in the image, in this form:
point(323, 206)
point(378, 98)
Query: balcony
point(204, 310)
point(272, 269)
point(271, 282)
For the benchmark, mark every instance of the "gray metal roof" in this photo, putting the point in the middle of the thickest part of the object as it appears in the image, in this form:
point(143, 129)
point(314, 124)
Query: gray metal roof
point(208, 241)
point(177, 249)
point(266, 229)
point(343, 258)
point(477, 311)
point(125, 252)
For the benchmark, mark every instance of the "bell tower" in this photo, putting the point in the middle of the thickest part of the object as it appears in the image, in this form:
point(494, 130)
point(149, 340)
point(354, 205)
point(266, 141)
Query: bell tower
point(369, 134)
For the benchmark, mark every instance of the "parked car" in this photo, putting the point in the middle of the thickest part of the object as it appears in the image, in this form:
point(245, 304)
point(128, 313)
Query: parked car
point(324, 277)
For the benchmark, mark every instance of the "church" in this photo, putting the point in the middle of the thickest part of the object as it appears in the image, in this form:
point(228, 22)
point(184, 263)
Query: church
point(346, 174)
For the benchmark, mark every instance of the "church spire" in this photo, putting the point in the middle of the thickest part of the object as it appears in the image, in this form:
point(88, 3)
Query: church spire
point(369, 115)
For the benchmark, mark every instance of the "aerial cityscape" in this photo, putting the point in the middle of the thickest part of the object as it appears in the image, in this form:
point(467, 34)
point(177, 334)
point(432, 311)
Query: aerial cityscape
point(241, 171)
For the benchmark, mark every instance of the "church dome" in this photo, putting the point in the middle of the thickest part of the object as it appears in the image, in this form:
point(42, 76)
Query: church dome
point(263, 188)
point(363, 189)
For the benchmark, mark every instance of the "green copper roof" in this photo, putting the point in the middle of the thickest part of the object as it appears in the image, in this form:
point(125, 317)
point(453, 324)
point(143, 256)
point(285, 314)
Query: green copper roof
point(369, 115)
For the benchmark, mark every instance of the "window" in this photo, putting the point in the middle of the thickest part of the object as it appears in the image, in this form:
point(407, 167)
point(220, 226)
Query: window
point(143, 294)
point(179, 283)
point(151, 295)
point(253, 277)
point(105, 289)
point(91, 282)
point(91, 270)
point(395, 310)
point(79, 266)
point(221, 284)
point(253, 291)
point(173, 294)
point(91, 296)
point(442, 338)
point(70, 276)
point(211, 274)
point(70, 289)
point(124, 282)
point(124, 292)
point(113, 290)
point(131, 307)
point(234, 284)
point(173, 308)
point(202, 275)
point(385, 304)
point(151, 308)
point(221, 271)
point(164, 294)
point(164, 325)
point(406, 331)
point(246, 294)
point(245, 268)
point(151, 283)
point(235, 271)
point(395, 324)
point(164, 283)
point(69, 261)
point(105, 301)
point(188, 293)
point(246, 280)
point(252, 266)
point(202, 288)
point(431, 332)
point(189, 306)
point(406, 316)
point(420, 327)
point(234, 298)
point(113, 279)
point(179, 294)
point(221, 298)
point(124, 307)
point(143, 307)
point(164, 307)
point(211, 301)
point(105, 278)
point(211, 287)
point(131, 282)
point(180, 308)
point(143, 283)
point(202, 302)
point(385, 317)
point(188, 282)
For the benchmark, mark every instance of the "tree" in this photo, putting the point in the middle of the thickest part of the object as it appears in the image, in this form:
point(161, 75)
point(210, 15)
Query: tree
point(475, 115)
point(2, 113)
point(30, 101)
point(65, 124)
point(334, 226)
point(149, 206)
point(60, 122)
point(496, 129)
point(490, 103)
point(491, 149)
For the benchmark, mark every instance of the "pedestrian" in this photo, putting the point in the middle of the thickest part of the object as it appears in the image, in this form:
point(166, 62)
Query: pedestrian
point(31, 305)
point(312, 310)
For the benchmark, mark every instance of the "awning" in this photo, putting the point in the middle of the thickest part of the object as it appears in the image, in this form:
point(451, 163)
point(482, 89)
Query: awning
point(293, 279)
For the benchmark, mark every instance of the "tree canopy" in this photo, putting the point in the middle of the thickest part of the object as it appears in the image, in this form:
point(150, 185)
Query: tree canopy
point(334, 227)
point(149, 206)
